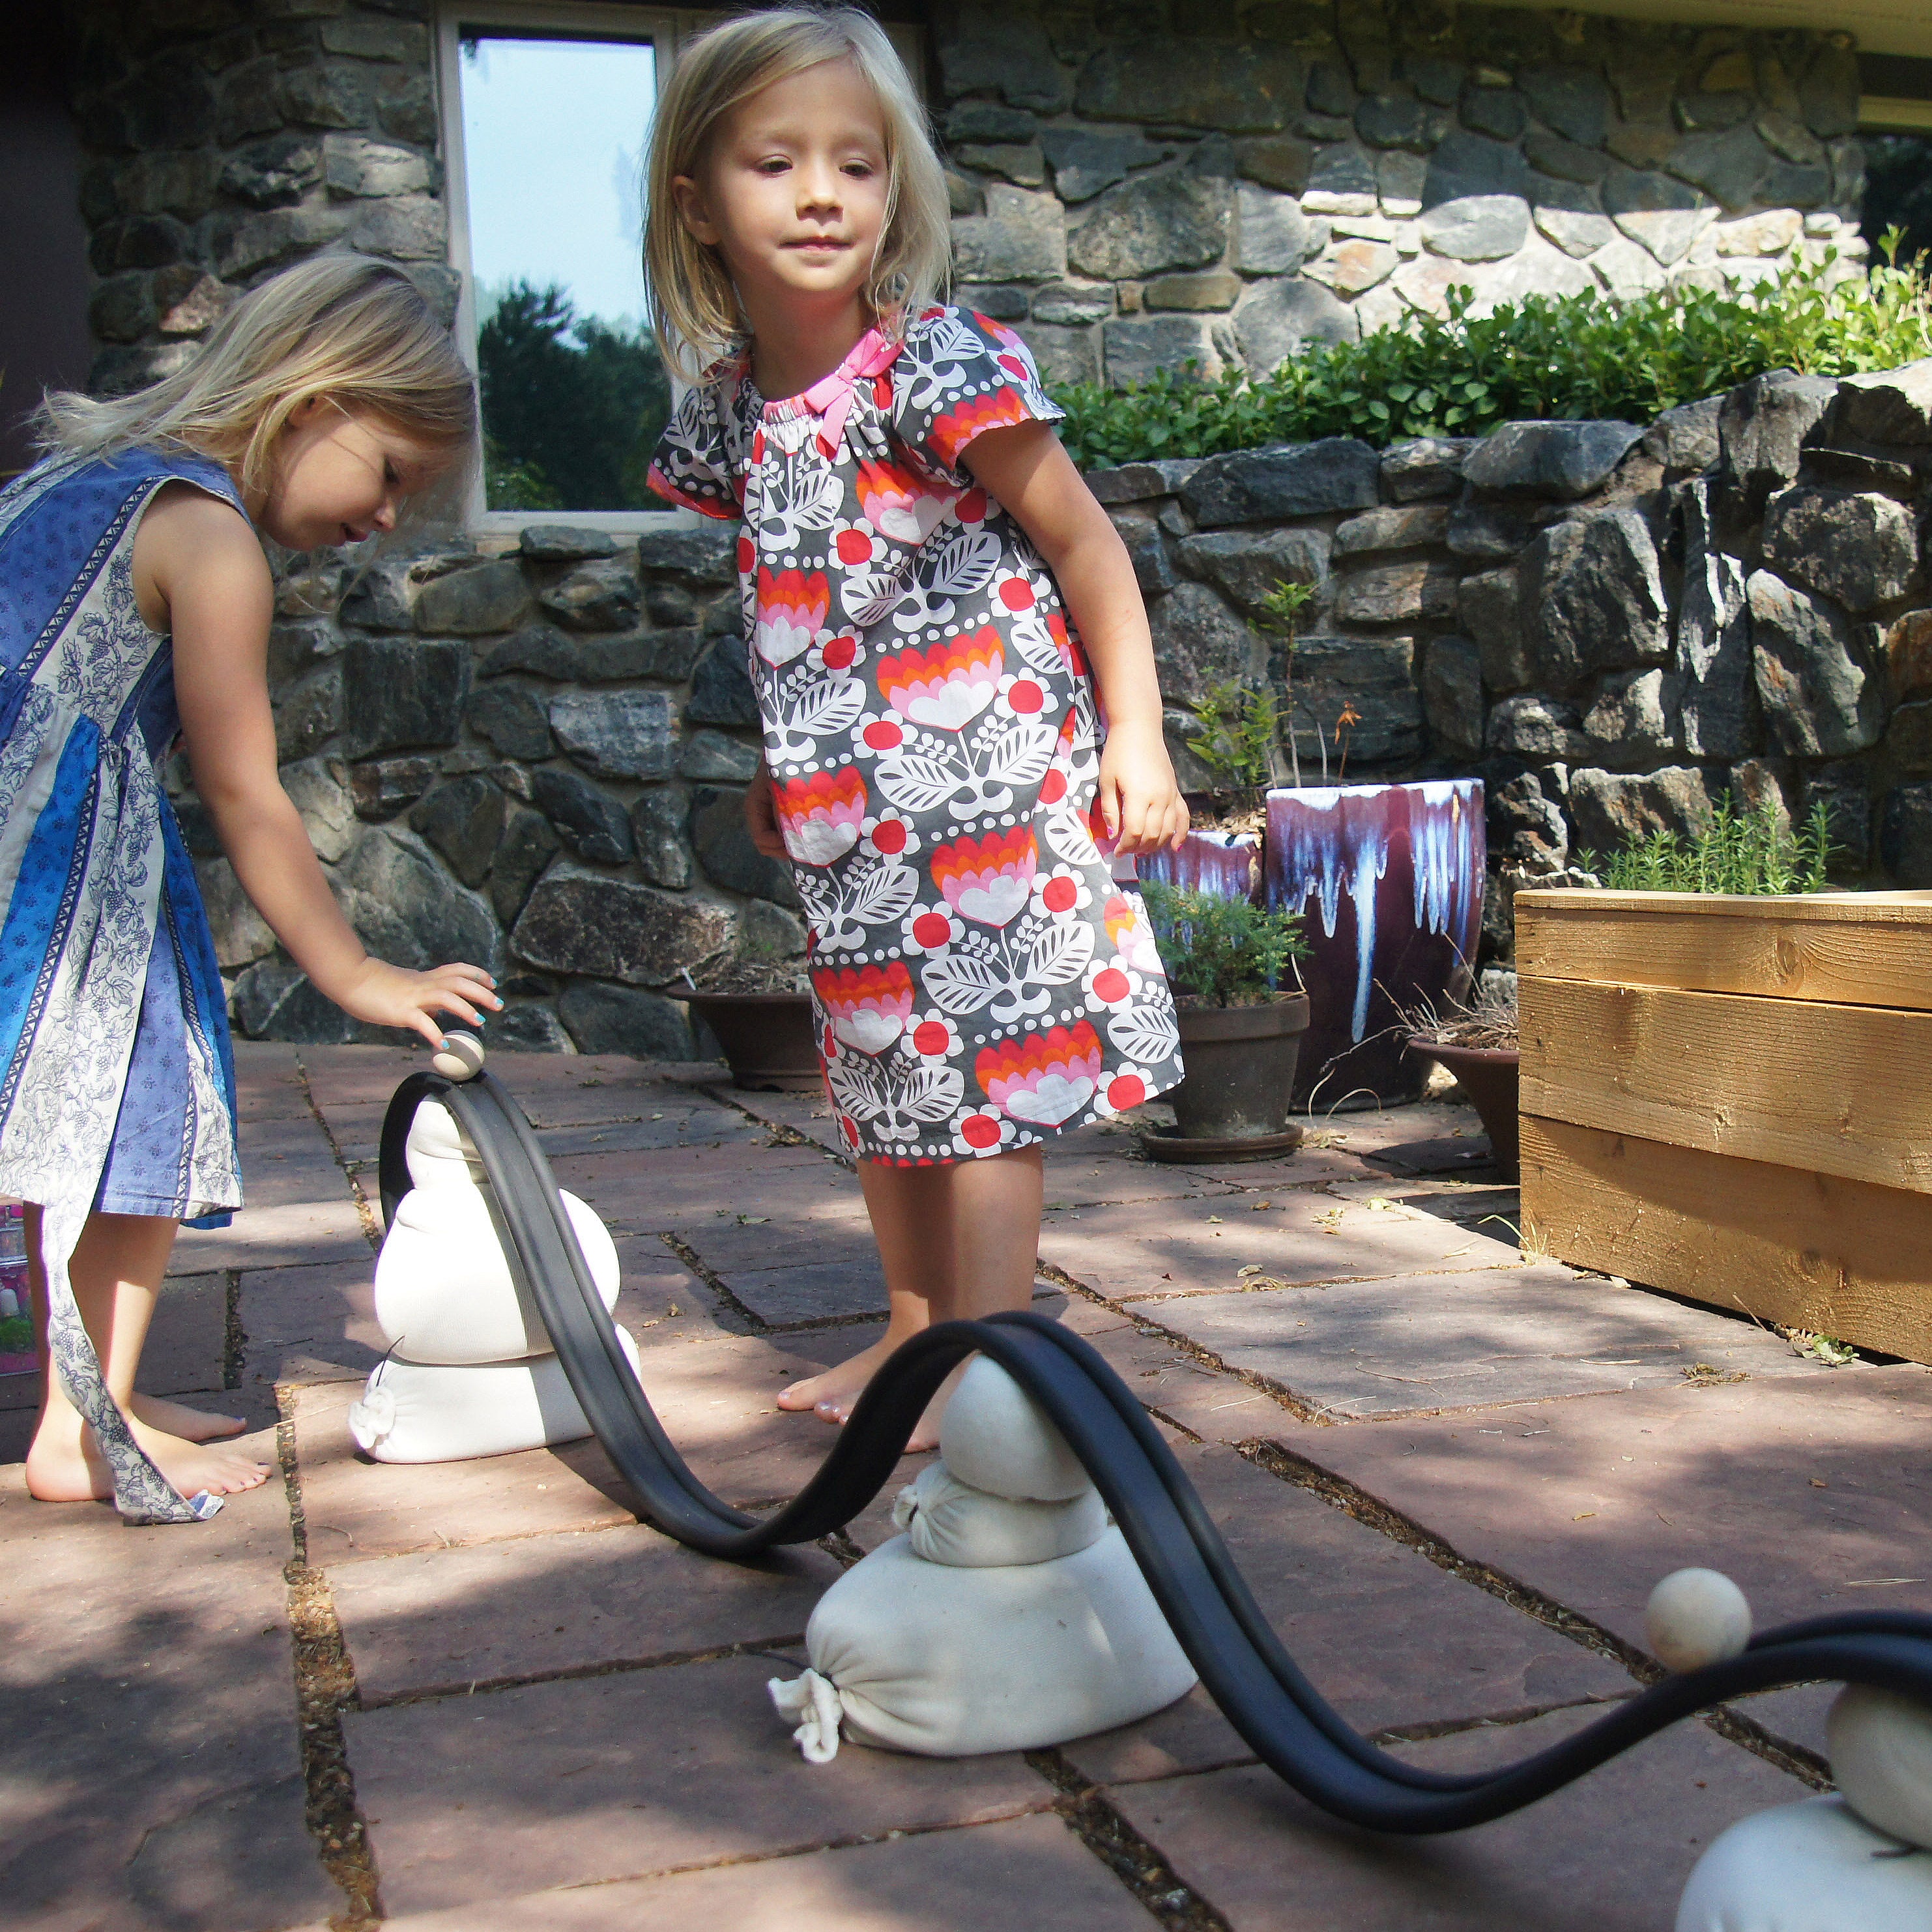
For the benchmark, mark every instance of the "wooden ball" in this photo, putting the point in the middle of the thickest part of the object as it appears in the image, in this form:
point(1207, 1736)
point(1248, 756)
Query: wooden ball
point(1696, 1617)
point(461, 1057)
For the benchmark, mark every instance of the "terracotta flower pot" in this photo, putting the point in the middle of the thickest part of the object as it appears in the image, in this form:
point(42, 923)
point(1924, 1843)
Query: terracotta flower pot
point(769, 1039)
point(1489, 1075)
point(1388, 879)
point(1237, 1099)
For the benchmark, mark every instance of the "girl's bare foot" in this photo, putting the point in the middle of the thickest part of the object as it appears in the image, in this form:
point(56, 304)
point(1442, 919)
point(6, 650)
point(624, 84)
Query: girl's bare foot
point(177, 1419)
point(65, 1469)
point(833, 1396)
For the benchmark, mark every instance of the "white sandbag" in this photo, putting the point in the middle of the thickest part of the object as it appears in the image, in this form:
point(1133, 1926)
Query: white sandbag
point(417, 1412)
point(444, 1292)
point(993, 1438)
point(951, 1663)
point(1814, 1866)
point(438, 1151)
point(1880, 1745)
point(946, 1521)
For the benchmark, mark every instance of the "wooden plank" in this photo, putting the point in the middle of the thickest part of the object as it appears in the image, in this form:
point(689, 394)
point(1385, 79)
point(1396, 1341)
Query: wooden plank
point(1838, 1257)
point(1860, 948)
point(1839, 1089)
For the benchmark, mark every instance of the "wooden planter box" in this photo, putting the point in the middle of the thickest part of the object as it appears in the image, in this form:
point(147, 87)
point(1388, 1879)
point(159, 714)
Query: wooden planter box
point(1731, 1099)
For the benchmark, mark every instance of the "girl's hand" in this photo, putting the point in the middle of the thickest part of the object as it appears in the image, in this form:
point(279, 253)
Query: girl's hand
point(386, 995)
point(1139, 799)
point(760, 819)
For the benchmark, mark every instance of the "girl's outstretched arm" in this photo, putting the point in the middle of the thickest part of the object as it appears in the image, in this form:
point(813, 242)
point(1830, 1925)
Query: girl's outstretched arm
point(196, 558)
point(1026, 470)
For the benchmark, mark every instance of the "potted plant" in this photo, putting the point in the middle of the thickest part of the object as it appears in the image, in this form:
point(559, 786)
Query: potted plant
point(1478, 1045)
point(759, 1006)
point(1721, 1095)
point(1240, 1034)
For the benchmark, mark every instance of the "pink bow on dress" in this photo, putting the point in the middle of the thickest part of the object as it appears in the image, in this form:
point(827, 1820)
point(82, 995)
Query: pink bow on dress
point(830, 397)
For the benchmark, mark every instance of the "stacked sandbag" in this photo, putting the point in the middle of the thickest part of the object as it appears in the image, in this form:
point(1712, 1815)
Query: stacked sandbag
point(1009, 1615)
point(470, 1370)
point(1859, 1861)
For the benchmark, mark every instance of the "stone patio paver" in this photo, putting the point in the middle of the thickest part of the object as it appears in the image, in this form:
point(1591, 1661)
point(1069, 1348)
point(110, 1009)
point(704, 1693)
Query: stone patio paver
point(607, 1777)
point(1610, 1851)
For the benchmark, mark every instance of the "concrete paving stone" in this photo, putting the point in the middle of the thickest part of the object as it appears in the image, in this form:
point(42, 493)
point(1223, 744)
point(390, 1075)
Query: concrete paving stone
point(1623, 1837)
point(294, 1234)
point(1811, 1491)
point(187, 1341)
point(502, 1794)
point(1024, 1872)
point(1385, 1636)
point(1083, 1181)
point(1309, 1166)
point(1462, 1341)
point(807, 1113)
point(798, 1215)
point(851, 1285)
point(672, 1187)
point(441, 1619)
point(660, 1302)
point(150, 1778)
point(1460, 1153)
point(269, 1083)
point(1374, 1128)
point(1152, 1248)
point(1796, 1715)
point(316, 1324)
point(694, 1127)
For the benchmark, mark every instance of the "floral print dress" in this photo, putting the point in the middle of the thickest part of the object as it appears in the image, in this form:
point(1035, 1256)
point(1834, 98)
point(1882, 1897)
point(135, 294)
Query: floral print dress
point(980, 981)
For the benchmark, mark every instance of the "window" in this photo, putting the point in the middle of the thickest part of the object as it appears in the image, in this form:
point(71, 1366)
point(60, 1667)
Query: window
point(547, 117)
point(546, 122)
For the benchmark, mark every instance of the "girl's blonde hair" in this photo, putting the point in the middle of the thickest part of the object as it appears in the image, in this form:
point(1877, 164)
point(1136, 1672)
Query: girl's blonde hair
point(694, 307)
point(357, 331)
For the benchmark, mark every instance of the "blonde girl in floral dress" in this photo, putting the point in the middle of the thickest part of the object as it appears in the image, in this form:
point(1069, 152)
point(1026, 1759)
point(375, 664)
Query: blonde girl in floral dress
point(954, 673)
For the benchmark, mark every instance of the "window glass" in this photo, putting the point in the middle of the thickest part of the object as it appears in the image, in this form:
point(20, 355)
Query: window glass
point(554, 132)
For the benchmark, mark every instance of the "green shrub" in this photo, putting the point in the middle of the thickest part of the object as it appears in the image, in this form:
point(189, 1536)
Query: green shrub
point(1585, 357)
point(1753, 852)
point(1240, 727)
point(1227, 953)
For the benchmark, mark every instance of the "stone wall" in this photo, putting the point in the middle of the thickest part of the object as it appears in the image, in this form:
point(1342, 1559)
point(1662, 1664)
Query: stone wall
point(1140, 184)
point(1614, 627)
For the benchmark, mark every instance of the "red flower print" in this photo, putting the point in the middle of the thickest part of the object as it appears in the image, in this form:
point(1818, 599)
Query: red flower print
point(973, 417)
point(988, 879)
point(792, 610)
point(867, 1005)
point(947, 685)
point(1043, 1079)
point(897, 504)
point(819, 815)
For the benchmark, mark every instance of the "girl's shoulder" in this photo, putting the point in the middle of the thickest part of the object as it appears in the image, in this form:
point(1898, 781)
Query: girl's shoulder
point(948, 331)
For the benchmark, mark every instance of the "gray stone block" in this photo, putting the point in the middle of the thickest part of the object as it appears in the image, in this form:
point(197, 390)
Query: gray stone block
point(1465, 163)
point(1376, 679)
point(706, 552)
point(1611, 810)
point(721, 688)
point(1532, 726)
point(1296, 480)
point(1905, 836)
point(1729, 167)
point(241, 934)
point(1166, 221)
point(409, 910)
point(1476, 228)
point(604, 1019)
point(398, 694)
point(1418, 527)
point(308, 714)
point(1633, 722)
point(528, 1027)
point(1395, 593)
point(274, 173)
point(585, 923)
point(1761, 426)
point(1135, 482)
point(1393, 121)
point(1342, 168)
point(1271, 235)
point(987, 120)
point(1279, 161)
point(382, 787)
point(1828, 92)
point(1243, 86)
point(1247, 567)
point(1567, 159)
point(1452, 694)
point(1860, 549)
point(1198, 641)
point(528, 845)
point(596, 657)
point(1566, 460)
point(1525, 822)
point(1276, 318)
point(723, 843)
point(602, 595)
point(513, 718)
point(1685, 439)
point(564, 543)
point(1894, 405)
point(711, 755)
point(464, 820)
point(1572, 100)
point(1083, 163)
point(983, 50)
point(1063, 355)
point(1147, 551)
point(273, 1001)
point(616, 733)
point(657, 820)
point(1071, 304)
point(1137, 347)
point(316, 789)
point(1489, 604)
point(588, 820)
point(1719, 706)
point(1021, 237)
point(1424, 466)
point(1500, 112)
point(1593, 598)
point(1821, 677)
point(1661, 215)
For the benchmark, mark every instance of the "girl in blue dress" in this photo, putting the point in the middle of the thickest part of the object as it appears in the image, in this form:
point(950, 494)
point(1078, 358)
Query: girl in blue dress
point(135, 603)
point(961, 720)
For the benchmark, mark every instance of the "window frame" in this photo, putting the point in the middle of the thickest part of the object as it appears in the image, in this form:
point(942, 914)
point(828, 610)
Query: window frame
point(665, 28)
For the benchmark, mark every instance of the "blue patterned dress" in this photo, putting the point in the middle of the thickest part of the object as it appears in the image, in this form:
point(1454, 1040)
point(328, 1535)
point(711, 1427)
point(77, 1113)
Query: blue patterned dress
point(117, 1081)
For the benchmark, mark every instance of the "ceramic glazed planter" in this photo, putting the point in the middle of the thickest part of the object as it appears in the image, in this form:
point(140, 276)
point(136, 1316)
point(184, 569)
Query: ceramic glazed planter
point(1388, 879)
point(1489, 1075)
point(768, 1038)
point(1237, 1099)
point(1227, 864)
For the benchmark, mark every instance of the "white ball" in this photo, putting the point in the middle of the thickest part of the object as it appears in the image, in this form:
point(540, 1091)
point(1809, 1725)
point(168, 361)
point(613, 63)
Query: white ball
point(461, 1057)
point(1696, 1617)
point(1880, 1745)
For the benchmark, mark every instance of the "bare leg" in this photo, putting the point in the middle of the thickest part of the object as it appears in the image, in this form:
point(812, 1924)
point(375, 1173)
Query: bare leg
point(176, 1418)
point(116, 1275)
point(956, 1242)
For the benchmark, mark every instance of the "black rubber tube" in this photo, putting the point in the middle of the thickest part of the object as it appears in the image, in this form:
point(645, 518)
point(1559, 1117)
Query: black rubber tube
point(1242, 1662)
